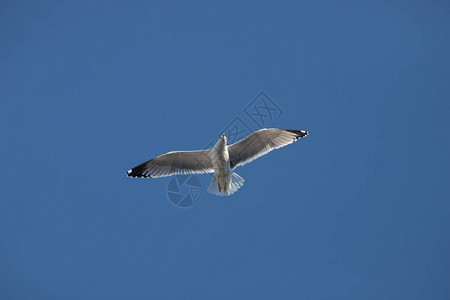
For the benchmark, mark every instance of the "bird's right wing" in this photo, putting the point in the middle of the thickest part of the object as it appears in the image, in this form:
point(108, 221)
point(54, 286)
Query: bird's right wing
point(261, 142)
point(175, 163)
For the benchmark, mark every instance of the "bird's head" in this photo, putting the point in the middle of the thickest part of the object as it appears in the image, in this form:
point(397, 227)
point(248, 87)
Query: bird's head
point(221, 142)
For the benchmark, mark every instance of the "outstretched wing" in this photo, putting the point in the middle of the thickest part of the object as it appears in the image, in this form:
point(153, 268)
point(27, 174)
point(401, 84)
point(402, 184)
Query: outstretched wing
point(261, 142)
point(174, 163)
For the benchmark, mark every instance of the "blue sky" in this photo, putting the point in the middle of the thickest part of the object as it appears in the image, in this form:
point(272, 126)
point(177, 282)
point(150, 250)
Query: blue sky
point(357, 210)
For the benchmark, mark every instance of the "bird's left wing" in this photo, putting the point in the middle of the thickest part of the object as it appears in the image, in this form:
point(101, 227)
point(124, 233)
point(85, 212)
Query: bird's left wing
point(261, 142)
point(175, 163)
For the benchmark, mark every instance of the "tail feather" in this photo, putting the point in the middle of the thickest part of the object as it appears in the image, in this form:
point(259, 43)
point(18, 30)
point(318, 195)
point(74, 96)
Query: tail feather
point(234, 182)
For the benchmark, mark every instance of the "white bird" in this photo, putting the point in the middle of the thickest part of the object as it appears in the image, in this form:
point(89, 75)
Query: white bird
point(220, 159)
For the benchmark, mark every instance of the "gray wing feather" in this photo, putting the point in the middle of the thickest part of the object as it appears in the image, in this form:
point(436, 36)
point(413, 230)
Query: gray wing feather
point(174, 163)
point(261, 142)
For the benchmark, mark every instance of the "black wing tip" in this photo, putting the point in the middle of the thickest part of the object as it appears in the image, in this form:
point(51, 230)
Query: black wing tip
point(298, 133)
point(133, 175)
point(137, 172)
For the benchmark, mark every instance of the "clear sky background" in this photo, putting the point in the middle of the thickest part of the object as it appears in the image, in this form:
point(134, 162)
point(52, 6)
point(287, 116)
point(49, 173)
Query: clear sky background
point(357, 210)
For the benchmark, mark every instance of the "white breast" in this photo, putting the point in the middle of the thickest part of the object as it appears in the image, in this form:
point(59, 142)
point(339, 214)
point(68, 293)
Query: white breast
point(220, 159)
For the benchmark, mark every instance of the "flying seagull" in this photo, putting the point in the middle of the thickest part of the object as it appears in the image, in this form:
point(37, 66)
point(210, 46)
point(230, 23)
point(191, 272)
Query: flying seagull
point(222, 159)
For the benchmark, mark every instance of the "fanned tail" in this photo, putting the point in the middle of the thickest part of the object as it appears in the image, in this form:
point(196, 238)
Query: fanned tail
point(234, 182)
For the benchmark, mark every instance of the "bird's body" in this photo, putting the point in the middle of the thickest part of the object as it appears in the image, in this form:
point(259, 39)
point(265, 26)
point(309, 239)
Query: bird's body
point(221, 159)
point(225, 182)
point(221, 163)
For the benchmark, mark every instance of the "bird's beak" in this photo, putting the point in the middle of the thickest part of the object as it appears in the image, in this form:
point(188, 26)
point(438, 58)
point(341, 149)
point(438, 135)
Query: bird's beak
point(223, 135)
